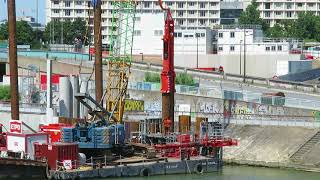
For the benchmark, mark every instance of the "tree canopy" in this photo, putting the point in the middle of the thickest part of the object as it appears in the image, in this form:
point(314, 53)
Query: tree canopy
point(252, 16)
point(306, 26)
point(70, 30)
point(25, 34)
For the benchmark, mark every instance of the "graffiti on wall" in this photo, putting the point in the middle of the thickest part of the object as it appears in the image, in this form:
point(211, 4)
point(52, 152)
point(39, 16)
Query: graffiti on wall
point(210, 107)
point(134, 105)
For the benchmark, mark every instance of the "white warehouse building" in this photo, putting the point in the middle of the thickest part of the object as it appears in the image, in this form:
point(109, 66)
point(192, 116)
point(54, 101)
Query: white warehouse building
point(149, 31)
point(250, 40)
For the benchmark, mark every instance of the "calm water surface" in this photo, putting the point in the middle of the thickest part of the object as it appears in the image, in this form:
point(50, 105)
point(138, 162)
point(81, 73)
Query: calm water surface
point(241, 173)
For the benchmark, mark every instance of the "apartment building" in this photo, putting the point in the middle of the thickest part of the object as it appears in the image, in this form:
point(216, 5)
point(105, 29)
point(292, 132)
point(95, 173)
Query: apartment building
point(275, 10)
point(191, 14)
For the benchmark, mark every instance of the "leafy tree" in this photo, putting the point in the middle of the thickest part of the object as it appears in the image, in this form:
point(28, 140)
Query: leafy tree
point(4, 31)
point(71, 30)
point(5, 93)
point(24, 34)
point(252, 16)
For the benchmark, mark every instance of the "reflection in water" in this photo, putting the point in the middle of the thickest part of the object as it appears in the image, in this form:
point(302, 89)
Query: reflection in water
point(240, 173)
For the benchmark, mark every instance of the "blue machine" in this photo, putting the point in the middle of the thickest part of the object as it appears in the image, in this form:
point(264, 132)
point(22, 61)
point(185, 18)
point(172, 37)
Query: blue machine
point(90, 136)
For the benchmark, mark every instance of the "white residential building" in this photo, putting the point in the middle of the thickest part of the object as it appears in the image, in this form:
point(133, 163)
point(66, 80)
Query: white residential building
point(187, 13)
point(149, 31)
point(275, 10)
point(250, 40)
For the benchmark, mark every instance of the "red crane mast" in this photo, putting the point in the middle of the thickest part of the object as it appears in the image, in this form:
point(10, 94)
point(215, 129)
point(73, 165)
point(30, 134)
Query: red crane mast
point(168, 74)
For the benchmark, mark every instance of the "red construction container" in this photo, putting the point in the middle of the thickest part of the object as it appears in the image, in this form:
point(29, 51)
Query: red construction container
point(184, 138)
point(58, 154)
point(54, 131)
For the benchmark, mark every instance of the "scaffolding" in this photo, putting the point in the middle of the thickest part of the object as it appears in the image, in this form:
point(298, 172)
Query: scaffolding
point(120, 57)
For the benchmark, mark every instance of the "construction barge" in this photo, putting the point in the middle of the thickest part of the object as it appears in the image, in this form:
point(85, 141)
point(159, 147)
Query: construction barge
point(169, 166)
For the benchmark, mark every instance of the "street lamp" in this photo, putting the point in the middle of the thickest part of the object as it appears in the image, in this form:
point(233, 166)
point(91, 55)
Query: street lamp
point(197, 36)
point(240, 55)
point(141, 56)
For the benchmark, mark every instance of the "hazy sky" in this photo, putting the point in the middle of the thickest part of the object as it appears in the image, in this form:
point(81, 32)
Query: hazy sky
point(29, 7)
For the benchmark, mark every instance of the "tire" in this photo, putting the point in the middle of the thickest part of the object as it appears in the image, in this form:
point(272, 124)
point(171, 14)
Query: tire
point(198, 169)
point(144, 172)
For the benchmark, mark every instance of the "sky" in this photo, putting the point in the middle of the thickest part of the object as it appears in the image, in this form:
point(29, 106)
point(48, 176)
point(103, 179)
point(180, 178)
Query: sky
point(29, 7)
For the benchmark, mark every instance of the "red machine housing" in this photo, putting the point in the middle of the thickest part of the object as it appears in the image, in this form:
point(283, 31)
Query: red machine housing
point(54, 130)
point(3, 140)
point(168, 75)
point(58, 154)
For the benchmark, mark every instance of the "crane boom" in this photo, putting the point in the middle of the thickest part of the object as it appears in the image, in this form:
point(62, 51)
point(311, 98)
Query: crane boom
point(168, 74)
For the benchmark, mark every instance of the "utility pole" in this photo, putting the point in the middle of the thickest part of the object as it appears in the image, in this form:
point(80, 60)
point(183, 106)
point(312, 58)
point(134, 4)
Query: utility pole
point(13, 60)
point(97, 49)
point(244, 55)
point(240, 55)
point(197, 36)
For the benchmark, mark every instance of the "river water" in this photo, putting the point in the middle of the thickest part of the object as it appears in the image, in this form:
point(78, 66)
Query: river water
point(241, 173)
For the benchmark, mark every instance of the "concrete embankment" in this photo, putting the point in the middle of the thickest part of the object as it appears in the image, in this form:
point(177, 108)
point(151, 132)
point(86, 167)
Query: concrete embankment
point(273, 146)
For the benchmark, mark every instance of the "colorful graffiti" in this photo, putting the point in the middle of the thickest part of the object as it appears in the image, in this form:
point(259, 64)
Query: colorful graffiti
point(134, 105)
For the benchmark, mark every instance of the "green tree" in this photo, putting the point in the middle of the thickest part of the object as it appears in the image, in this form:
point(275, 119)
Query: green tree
point(24, 34)
point(5, 93)
point(4, 31)
point(252, 16)
point(69, 30)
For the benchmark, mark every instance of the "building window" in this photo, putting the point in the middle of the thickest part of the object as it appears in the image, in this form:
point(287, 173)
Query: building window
point(137, 33)
point(202, 5)
point(267, 14)
point(147, 4)
point(288, 5)
point(191, 3)
point(267, 48)
point(67, 12)
point(213, 4)
point(278, 13)
point(56, 11)
point(180, 4)
point(169, 3)
point(158, 32)
point(202, 13)
point(180, 21)
point(231, 48)
point(67, 4)
point(180, 13)
point(299, 4)
point(220, 35)
point(279, 48)
point(137, 19)
point(191, 12)
point(220, 48)
point(79, 11)
point(273, 48)
point(78, 3)
point(55, 2)
point(177, 34)
point(289, 14)
point(267, 6)
point(231, 34)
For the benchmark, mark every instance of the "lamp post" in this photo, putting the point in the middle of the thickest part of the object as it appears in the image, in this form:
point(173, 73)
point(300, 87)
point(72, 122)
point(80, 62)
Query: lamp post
point(197, 36)
point(240, 56)
point(141, 56)
point(244, 54)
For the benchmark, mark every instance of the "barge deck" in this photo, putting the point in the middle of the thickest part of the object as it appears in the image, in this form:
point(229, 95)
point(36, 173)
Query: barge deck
point(170, 166)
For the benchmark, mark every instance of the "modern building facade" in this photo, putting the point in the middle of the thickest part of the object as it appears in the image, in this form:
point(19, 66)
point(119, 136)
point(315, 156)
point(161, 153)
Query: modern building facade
point(273, 11)
point(232, 39)
point(191, 14)
point(149, 32)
